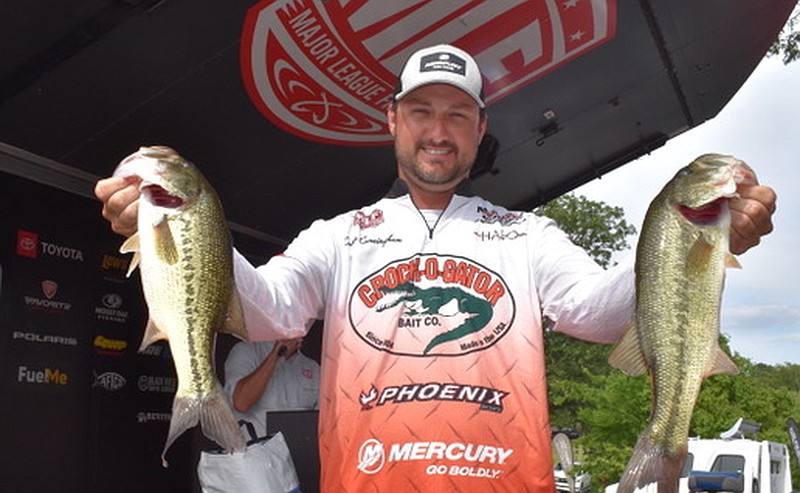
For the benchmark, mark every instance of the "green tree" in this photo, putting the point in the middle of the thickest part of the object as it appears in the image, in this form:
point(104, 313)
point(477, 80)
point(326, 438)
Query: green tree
point(597, 227)
point(601, 230)
point(788, 43)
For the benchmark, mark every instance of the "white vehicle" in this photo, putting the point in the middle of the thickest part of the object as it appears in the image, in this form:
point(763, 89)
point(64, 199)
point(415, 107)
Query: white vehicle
point(581, 480)
point(732, 463)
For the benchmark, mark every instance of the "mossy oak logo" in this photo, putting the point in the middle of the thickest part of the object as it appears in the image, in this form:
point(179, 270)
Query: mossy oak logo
point(326, 70)
point(432, 305)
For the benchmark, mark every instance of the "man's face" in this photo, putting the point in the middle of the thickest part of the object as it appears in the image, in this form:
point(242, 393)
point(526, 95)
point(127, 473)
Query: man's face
point(437, 129)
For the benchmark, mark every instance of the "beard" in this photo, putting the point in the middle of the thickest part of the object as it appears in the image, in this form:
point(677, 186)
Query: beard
point(427, 169)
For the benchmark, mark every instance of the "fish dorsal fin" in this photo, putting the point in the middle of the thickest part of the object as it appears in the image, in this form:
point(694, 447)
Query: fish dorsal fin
point(628, 356)
point(131, 244)
point(723, 364)
point(152, 334)
point(165, 247)
point(234, 318)
point(699, 257)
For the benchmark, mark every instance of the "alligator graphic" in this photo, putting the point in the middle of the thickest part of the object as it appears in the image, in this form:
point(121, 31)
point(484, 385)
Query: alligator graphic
point(431, 300)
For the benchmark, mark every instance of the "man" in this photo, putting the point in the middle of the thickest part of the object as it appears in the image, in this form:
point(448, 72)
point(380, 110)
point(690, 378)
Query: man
point(433, 361)
point(270, 376)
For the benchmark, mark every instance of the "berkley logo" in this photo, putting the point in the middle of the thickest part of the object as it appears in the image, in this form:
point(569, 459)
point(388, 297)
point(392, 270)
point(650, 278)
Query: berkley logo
point(432, 305)
point(326, 71)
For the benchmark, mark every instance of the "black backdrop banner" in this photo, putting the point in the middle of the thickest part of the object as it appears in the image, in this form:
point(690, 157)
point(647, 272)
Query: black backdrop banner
point(83, 411)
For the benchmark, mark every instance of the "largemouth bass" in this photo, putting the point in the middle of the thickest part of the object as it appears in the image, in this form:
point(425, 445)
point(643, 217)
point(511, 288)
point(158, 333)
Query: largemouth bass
point(680, 263)
point(184, 251)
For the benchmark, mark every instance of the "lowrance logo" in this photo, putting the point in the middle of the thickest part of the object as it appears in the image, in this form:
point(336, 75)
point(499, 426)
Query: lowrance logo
point(467, 459)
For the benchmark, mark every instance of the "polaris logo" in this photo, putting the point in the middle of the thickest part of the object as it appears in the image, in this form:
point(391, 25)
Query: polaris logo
point(45, 338)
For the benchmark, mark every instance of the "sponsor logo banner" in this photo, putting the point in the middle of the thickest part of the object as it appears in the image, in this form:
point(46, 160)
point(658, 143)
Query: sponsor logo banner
point(158, 384)
point(42, 376)
point(108, 346)
point(326, 71)
point(36, 337)
point(432, 305)
point(109, 381)
point(110, 309)
point(30, 245)
point(114, 267)
point(144, 417)
point(48, 303)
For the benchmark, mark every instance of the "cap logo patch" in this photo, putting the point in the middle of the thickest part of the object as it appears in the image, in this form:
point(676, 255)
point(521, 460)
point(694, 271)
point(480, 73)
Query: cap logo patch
point(443, 62)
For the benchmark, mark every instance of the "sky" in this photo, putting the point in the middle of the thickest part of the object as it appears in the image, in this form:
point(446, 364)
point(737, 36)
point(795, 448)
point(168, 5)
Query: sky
point(761, 126)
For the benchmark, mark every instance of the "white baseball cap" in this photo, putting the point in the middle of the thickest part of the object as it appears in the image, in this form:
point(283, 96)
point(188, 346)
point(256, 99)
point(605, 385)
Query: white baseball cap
point(441, 64)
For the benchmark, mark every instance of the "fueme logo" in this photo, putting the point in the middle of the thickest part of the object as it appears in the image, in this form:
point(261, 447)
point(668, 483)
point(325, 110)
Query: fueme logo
point(49, 376)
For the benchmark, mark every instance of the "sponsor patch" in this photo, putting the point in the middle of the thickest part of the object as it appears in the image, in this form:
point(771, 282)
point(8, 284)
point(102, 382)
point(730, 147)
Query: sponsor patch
point(432, 305)
point(487, 399)
point(436, 458)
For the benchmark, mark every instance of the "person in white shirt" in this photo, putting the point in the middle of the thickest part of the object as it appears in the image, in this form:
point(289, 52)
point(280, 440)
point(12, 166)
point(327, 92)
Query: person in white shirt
point(270, 376)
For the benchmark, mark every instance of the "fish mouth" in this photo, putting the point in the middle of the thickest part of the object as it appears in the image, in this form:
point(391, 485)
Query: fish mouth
point(705, 214)
point(161, 198)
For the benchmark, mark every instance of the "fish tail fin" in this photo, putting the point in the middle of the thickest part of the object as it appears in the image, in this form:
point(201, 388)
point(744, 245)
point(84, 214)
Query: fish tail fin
point(219, 424)
point(185, 414)
point(213, 413)
point(651, 463)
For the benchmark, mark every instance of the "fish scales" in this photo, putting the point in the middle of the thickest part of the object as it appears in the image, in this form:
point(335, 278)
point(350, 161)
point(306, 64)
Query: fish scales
point(184, 250)
point(680, 261)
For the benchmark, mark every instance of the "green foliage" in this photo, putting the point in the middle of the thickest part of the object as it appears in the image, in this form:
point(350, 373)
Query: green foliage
point(788, 43)
point(596, 227)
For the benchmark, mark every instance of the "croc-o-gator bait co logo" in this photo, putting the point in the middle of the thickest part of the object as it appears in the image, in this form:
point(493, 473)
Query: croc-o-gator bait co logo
point(432, 305)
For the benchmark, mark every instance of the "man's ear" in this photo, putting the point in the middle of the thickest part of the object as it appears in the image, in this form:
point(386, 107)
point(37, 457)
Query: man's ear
point(482, 126)
point(391, 119)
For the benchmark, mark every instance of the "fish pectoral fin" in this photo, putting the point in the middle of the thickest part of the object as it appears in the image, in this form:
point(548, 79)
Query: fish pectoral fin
point(166, 249)
point(131, 245)
point(732, 262)
point(234, 318)
point(628, 356)
point(698, 258)
point(152, 334)
point(723, 364)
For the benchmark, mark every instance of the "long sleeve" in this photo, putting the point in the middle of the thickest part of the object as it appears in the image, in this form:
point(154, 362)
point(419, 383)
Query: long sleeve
point(282, 298)
point(581, 298)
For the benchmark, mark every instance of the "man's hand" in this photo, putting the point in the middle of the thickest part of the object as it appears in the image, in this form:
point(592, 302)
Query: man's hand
point(120, 198)
point(751, 216)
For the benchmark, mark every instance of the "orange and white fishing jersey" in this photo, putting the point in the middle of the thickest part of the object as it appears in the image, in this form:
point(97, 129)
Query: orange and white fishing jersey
point(433, 372)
